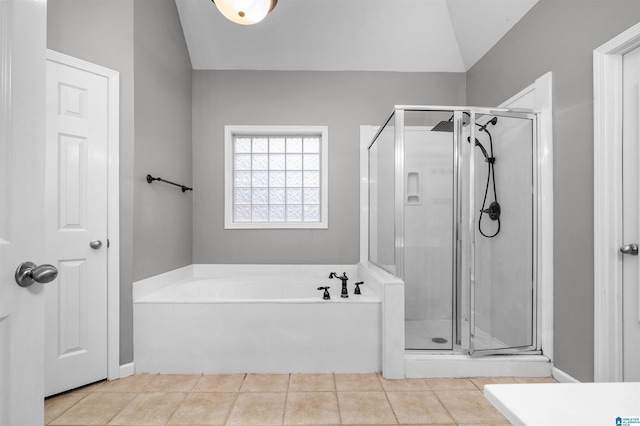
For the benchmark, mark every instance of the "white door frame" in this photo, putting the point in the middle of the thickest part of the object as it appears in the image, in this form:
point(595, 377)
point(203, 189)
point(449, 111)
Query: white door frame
point(607, 187)
point(113, 203)
point(22, 148)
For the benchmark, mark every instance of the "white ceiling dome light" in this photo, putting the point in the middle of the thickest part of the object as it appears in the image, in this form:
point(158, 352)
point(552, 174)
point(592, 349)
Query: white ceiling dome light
point(245, 12)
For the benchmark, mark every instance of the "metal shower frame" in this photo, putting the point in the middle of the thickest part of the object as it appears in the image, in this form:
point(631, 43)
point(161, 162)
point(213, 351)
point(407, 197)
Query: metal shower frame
point(463, 262)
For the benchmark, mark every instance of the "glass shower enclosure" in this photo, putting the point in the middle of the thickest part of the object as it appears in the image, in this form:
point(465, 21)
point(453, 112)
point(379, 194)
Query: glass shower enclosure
point(452, 212)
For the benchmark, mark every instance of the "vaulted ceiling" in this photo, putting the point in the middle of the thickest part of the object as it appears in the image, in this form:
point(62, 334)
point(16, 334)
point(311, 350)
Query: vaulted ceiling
point(351, 35)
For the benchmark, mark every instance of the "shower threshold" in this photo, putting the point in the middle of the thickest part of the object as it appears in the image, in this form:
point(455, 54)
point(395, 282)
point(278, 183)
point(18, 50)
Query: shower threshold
point(429, 364)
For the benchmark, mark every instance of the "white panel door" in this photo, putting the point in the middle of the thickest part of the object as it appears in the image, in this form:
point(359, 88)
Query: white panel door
point(631, 216)
point(76, 227)
point(22, 90)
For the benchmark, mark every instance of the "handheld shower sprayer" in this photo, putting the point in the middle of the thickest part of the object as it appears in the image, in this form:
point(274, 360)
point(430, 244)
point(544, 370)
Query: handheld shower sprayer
point(484, 151)
point(493, 210)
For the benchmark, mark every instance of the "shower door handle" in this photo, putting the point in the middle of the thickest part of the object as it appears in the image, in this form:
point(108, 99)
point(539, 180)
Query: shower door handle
point(631, 249)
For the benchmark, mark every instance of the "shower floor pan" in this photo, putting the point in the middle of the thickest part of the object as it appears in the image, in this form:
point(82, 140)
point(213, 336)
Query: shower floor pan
point(428, 334)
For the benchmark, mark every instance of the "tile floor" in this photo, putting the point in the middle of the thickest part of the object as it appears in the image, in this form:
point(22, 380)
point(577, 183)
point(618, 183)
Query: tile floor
point(278, 399)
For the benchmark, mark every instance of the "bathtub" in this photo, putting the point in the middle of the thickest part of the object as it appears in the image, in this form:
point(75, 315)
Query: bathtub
point(255, 319)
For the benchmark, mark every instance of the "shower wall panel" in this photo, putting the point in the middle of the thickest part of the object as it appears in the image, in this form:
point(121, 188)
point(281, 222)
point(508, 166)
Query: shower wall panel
point(428, 221)
point(428, 224)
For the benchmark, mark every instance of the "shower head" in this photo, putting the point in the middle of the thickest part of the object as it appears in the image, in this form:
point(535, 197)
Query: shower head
point(493, 121)
point(447, 126)
point(443, 126)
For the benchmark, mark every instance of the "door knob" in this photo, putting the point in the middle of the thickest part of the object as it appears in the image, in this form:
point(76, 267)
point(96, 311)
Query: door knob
point(95, 244)
point(28, 273)
point(631, 249)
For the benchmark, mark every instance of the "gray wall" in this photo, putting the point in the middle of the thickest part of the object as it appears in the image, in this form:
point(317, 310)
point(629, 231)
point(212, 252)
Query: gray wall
point(560, 36)
point(163, 226)
point(102, 32)
point(556, 35)
point(342, 101)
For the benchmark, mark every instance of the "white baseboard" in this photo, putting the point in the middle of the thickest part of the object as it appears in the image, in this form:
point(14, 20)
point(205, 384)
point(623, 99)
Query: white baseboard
point(127, 370)
point(563, 377)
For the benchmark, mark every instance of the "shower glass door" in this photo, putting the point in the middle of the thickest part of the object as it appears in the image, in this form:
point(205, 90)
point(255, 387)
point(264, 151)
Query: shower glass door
point(382, 220)
point(428, 211)
point(452, 212)
point(502, 228)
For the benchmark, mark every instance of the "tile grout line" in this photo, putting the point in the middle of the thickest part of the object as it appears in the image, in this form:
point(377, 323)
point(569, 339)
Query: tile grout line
point(235, 400)
point(177, 407)
point(120, 410)
point(474, 384)
point(70, 407)
point(184, 398)
point(335, 390)
point(462, 390)
point(195, 383)
point(395, 416)
point(286, 399)
point(435, 393)
point(95, 391)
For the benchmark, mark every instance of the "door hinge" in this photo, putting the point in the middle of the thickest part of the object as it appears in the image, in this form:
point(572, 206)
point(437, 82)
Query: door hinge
point(108, 243)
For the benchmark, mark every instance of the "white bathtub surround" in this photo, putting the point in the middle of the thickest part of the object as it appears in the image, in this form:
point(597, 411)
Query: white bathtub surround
point(196, 319)
point(391, 291)
point(149, 285)
point(255, 319)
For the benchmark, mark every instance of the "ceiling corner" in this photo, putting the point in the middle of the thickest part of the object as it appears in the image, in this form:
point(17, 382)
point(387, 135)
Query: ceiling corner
point(480, 24)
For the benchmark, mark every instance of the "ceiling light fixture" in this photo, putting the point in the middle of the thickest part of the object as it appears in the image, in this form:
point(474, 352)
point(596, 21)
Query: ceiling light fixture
point(245, 12)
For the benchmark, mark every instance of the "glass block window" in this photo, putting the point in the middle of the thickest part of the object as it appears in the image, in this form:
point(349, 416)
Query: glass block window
point(276, 177)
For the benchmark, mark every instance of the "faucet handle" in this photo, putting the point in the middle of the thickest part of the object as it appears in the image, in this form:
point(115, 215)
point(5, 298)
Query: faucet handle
point(357, 290)
point(325, 295)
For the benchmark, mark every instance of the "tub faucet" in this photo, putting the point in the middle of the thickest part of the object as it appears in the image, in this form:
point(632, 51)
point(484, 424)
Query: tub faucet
point(325, 295)
point(344, 279)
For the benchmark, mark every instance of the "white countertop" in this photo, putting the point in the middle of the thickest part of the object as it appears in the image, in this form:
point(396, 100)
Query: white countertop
point(567, 403)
